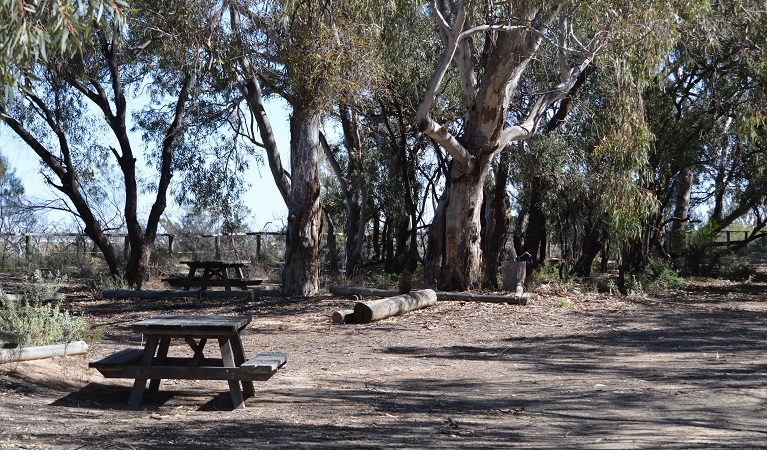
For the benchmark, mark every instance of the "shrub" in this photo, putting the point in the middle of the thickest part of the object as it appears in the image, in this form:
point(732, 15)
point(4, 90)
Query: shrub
point(701, 253)
point(662, 275)
point(40, 320)
point(703, 256)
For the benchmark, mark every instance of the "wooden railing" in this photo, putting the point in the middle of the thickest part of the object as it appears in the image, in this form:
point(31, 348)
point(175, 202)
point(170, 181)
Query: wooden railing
point(33, 241)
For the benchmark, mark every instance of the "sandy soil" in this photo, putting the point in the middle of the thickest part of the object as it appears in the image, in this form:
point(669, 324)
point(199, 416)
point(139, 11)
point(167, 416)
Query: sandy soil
point(680, 369)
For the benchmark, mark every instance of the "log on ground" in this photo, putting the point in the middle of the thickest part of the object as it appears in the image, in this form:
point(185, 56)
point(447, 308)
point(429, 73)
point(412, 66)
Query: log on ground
point(365, 312)
point(450, 296)
point(122, 294)
point(41, 352)
point(343, 316)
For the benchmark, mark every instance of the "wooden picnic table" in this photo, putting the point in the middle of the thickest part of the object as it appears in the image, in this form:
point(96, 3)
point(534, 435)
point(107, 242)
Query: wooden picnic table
point(206, 273)
point(153, 363)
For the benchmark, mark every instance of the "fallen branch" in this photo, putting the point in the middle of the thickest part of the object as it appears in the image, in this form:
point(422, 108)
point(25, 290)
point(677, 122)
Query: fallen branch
point(122, 294)
point(41, 352)
point(448, 296)
point(365, 312)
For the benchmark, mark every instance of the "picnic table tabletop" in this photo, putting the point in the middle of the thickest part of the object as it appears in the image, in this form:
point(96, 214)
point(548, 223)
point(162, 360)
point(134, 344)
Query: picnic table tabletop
point(216, 263)
point(186, 325)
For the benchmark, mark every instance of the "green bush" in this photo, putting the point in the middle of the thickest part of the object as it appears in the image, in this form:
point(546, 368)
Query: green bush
point(703, 256)
point(40, 320)
point(701, 252)
point(663, 275)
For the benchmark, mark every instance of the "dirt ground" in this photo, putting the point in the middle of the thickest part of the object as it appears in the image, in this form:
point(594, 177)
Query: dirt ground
point(680, 369)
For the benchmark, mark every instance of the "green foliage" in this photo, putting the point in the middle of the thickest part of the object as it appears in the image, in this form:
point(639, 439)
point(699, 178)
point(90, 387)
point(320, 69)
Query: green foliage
point(34, 32)
point(109, 283)
point(701, 253)
point(40, 320)
point(663, 275)
point(324, 54)
point(707, 257)
point(735, 268)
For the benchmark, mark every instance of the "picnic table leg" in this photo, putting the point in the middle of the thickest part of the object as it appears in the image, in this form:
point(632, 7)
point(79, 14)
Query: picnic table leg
point(234, 386)
point(248, 390)
point(225, 276)
point(190, 277)
point(140, 384)
point(162, 356)
point(240, 275)
point(198, 348)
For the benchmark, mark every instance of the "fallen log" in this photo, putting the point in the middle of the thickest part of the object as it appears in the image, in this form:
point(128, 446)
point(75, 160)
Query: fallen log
point(515, 299)
point(372, 292)
point(449, 296)
point(123, 294)
point(365, 312)
point(41, 352)
point(343, 316)
point(12, 338)
point(55, 297)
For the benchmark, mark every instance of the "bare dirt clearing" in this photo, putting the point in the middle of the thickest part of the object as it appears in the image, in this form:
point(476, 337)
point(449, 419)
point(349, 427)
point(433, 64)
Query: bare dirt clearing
point(685, 369)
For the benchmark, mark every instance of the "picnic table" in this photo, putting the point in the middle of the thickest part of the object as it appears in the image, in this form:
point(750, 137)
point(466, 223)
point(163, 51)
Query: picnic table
point(206, 273)
point(153, 363)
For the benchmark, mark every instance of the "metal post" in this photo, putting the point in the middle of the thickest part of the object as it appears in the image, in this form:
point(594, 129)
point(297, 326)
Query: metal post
point(258, 248)
point(217, 243)
point(170, 245)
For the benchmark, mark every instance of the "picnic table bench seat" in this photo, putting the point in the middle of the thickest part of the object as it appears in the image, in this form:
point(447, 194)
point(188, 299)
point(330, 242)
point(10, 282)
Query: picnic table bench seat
point(179, 281)
point(125, 364)
point(118, 361)
point(266, 362)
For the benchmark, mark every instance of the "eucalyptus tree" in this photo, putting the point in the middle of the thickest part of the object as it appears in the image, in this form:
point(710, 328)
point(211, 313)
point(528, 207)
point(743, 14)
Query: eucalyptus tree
point(69, 78)
point(314, 54)
point(493, 45)
point(706, 114)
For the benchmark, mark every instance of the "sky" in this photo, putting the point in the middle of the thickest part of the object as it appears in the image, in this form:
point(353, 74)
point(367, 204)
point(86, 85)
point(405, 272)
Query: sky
point(268, 211)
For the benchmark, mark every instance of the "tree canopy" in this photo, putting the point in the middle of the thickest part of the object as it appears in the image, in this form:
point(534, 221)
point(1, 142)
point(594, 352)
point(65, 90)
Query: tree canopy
point(602, 126)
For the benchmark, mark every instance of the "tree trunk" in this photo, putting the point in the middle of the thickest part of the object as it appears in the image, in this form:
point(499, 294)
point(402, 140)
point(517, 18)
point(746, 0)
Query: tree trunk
point(530, 232)
point(355, 233)
point(301, 274)
point(332, 245)
point(681, 211)
point(497, 223)
point(591, 245)
point(463, 254)
point(402, 248)
point(435, 247)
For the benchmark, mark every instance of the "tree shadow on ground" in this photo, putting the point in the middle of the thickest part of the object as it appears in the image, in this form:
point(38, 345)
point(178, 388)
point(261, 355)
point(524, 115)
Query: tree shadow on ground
point(620, 386)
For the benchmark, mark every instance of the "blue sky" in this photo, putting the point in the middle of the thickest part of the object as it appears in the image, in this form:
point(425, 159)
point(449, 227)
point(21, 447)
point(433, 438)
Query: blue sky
point(268, 210)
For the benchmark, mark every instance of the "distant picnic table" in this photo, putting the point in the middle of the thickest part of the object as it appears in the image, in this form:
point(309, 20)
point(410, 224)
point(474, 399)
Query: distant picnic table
point(153, 363)
point(207, 273)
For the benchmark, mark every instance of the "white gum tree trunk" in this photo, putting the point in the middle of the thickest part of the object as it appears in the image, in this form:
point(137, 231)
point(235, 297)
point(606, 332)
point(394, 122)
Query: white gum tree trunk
point(485, 127)
point(302, 267)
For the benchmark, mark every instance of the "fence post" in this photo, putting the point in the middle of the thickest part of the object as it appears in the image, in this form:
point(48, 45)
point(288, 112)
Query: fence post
point(28, 242)
point(217, 243)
